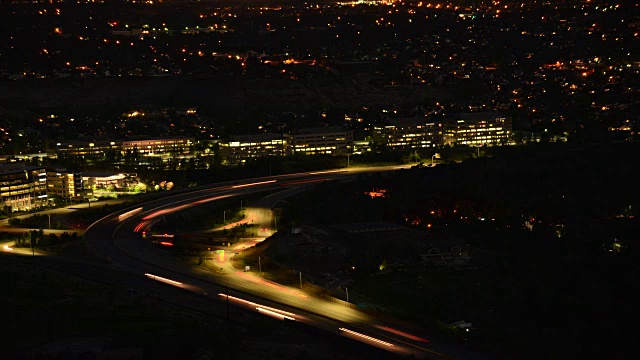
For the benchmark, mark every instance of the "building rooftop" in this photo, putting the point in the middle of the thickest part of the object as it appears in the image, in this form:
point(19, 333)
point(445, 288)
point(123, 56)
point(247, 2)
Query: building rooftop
point(150, 138)
point(256, 137)
point(100, 174)
point(474, 116)
point(320, 130)
point(17, 167)
point(413, 121)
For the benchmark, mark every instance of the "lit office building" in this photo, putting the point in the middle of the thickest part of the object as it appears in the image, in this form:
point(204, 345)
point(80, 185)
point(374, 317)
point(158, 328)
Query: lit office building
point(159, 146)
point(314, 141)
point(104, 179)
point(87, 149)
point(241, 148)
point(22, 187)
point(64, 183)
point(408, 133)
point(475, 129)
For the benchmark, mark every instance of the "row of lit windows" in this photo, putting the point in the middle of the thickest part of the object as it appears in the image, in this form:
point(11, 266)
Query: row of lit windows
point(306, 149)
point(243, 147)
point(479, 130)
point(481, 137)
point(265, 144)
point(479, 142)
point(156, 142)
point(16, 187)
point(248, 151)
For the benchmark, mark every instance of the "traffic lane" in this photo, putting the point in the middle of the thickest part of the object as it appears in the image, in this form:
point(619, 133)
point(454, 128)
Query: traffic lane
point(285, 313)
point(246, 187)
point(274, 295)
point(172, 269)
point(172, 205)
point(282, 312)
point(102, 245)
point(272, 181)
point(140, 286)
point(241, 184)
point(197, 279)
point(239, 285)
point(269, 201)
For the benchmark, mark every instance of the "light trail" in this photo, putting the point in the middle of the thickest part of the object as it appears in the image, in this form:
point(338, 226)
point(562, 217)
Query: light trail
point(402, 333)
point(139, 227)
point(253, 184)
point(164, 280)
point(164, 211)
point(304, 182)
point(163, 236)
point(7, 248)
point(252, 304)
point(129, 214)
point(165, 243)
point(268, 283)
point(366, 337)
point(327, 172)
point(211, 199)
point(274, 314)
point(182, 207)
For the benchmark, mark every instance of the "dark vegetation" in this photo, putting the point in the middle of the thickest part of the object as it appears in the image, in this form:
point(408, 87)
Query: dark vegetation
point(560, 222)
point(40, 240)
point(35, 221)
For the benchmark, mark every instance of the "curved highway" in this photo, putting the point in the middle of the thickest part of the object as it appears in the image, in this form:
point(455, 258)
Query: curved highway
point(115, 238)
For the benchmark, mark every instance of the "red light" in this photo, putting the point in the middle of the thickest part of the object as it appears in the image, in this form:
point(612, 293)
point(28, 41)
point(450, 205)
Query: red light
point(165, 243)
point(402, 333)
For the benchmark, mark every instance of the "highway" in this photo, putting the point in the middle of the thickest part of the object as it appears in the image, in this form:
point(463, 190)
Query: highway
point(116, 238)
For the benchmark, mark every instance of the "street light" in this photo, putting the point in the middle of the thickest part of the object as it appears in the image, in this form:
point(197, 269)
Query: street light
point(275, 220)
point(436, 156)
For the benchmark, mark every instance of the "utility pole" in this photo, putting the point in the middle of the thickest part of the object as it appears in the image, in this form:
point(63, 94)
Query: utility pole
point(49, 221)
point(259, 266)
point(300, 279)
point(33, 254)
point(346, 289)
point(224, 217)
point(226, 286)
